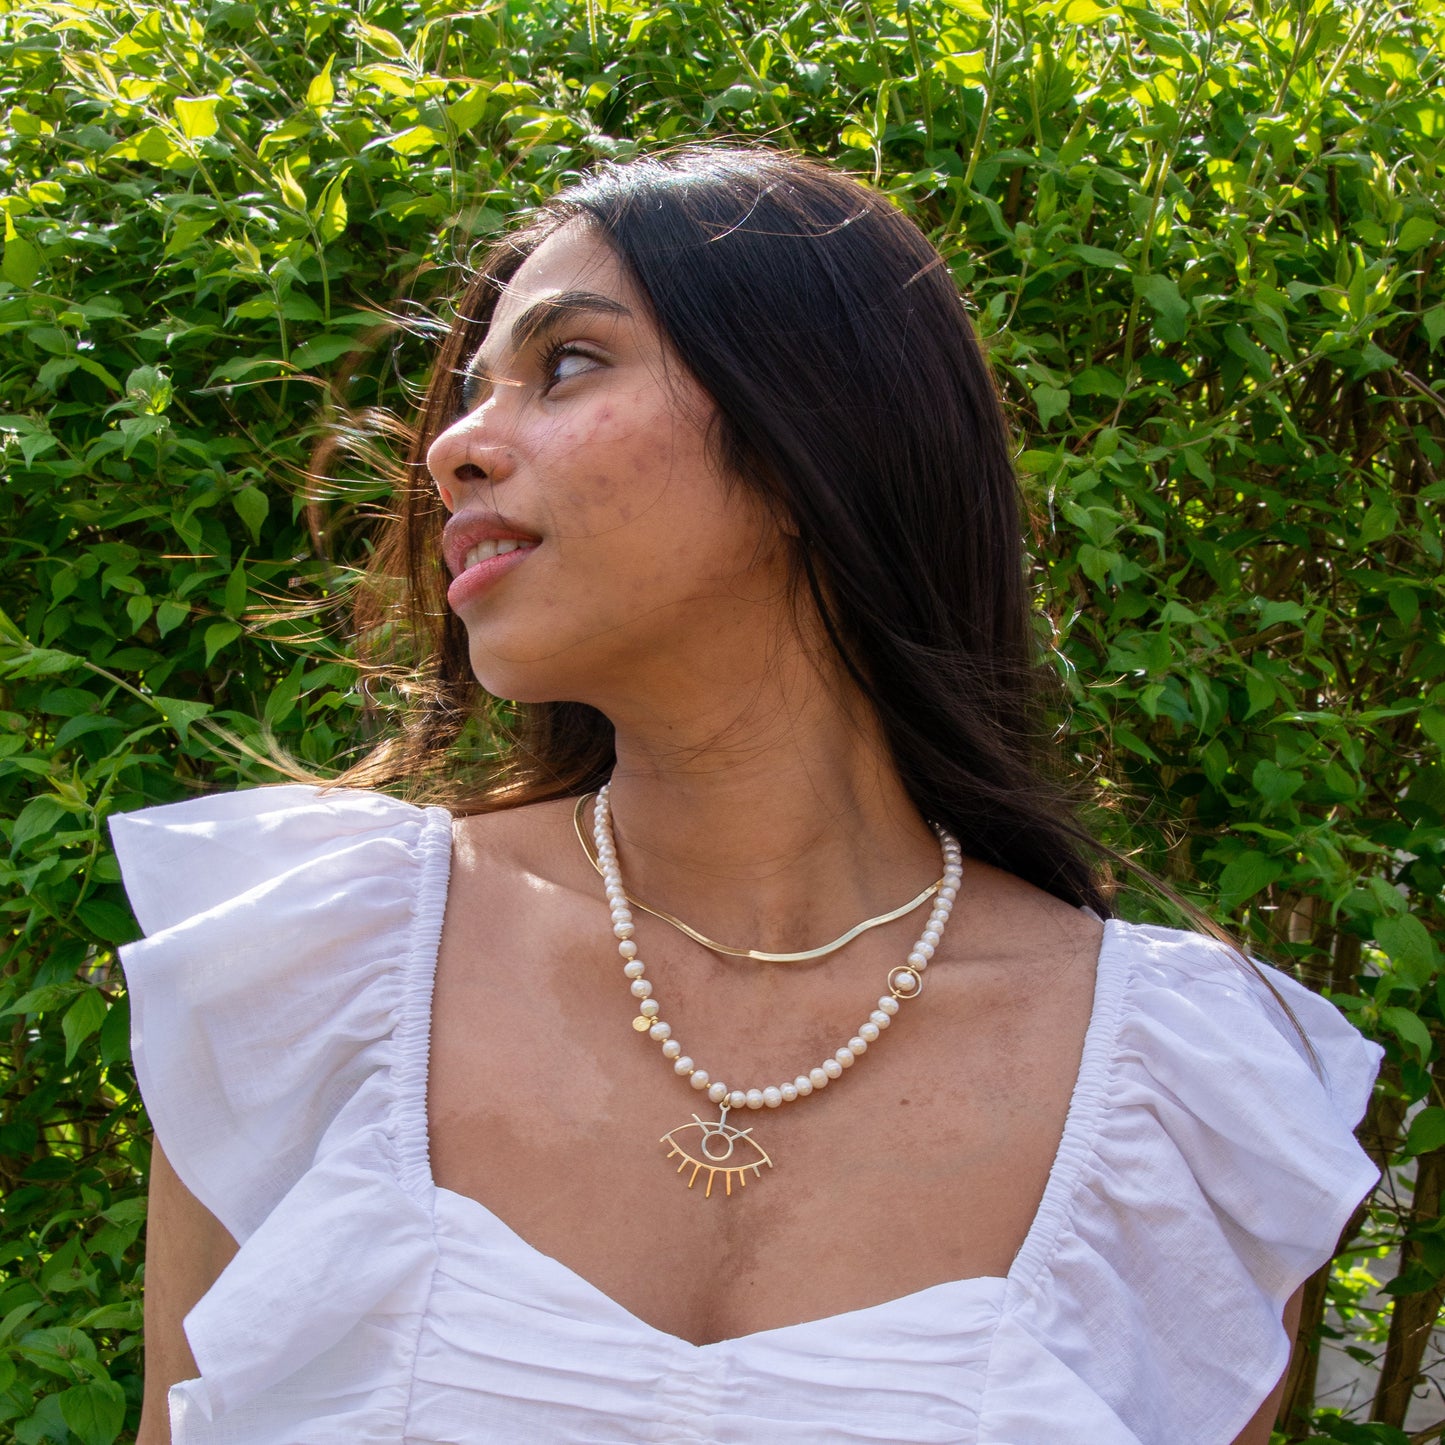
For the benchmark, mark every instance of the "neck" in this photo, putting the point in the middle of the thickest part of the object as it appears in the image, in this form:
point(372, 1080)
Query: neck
point(773, 819)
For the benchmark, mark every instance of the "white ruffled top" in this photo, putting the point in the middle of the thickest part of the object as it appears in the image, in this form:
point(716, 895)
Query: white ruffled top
point(281, 1008)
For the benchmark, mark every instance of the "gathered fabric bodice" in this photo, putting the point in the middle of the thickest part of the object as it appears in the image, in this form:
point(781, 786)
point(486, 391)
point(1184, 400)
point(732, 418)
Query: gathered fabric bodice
point(281, 1012)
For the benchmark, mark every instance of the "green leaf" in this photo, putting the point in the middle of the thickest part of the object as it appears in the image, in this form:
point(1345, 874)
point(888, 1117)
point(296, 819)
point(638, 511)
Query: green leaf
point(1098, 256)
point(284, 695)
point(1407, 942)
point(95, 1411)
point(1049, 402)
point(1171, 309)
point(1380, 522)
point(237, 591)
point(186, 234)
point(320, 93)
point(55, 1348)
point(21, 265)
point(1416, 232)
point(1260, 691)
point(331, 213)
point(1273, 613)
point(379, 39)
point(252, 505)
point(170, 614)
point(415, 139)
point(218, 634)
point(1427, 1132)
point(290, 187)
point(81, 1020)
point(108, 921)
point(196, 116)
point(465, 112)
point(38, 817)
point(1410, 1029)
point(181, 713)
point(115, 1031)
point(1433, 321)
point(1095, 381)
point(1274, 783)
point(1245, 875)
point(322, 349)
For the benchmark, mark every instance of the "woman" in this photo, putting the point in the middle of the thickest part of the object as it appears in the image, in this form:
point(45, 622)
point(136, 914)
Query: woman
point(726, 511)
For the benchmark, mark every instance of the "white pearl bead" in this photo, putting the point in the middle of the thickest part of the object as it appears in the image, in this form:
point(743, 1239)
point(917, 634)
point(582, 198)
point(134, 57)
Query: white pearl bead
point(699, 1079)
point(755, 1098)
point(917, 960)
point(683, 1066)
point(948, 891)
point(926, 949)
point(832, 1068)
point(672, 1049)
point(623, 930)
point(786, 1092)
point(804, 1085)
point(659, 1032)
point(869, 1031)
point(717, 1092)
point(857, 1045)
point(845, 1057)
point(634, 969)
point(888, 1004)
point(649, 1008)
point(772, 1096)
point(627, 948)
point(879, 1019)
point(640, 988)
point(738, 1099)
point(819, 1077)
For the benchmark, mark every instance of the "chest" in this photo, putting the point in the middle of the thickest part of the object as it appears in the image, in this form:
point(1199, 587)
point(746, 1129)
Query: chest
point(922, 1163)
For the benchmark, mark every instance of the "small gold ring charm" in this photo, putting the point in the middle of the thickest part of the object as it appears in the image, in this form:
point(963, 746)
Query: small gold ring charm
point(905, 982)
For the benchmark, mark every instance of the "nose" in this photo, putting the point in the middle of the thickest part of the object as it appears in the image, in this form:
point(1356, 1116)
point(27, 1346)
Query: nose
point(472, 451)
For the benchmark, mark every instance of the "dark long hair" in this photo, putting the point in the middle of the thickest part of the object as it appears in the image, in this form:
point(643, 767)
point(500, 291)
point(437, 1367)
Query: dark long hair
point(852, 394)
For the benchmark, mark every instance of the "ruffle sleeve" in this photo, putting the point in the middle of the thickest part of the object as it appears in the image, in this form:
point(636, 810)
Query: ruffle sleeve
point(1207, 1169)
point(279, 1033)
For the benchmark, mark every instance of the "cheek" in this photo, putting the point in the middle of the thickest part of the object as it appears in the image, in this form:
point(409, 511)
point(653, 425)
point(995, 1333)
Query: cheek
point(611, 470)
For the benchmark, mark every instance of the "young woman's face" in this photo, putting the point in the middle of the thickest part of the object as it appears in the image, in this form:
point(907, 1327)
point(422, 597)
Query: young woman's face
point(594, 545)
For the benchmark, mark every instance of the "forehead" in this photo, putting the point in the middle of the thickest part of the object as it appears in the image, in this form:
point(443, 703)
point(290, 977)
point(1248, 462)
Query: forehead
point(571, 259)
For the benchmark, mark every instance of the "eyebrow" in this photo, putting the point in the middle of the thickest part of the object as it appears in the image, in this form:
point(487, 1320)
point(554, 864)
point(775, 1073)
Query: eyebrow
point(547, 315)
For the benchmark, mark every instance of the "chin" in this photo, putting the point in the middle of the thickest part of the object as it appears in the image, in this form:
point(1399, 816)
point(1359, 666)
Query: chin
point(531, 682)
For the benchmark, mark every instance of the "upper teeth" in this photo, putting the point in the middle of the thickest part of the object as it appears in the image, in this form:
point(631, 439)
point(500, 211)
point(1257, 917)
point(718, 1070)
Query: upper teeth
point(492, 547)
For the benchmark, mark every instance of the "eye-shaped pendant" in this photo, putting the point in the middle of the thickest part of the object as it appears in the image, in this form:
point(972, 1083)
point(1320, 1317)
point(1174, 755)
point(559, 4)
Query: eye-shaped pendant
point(718, 1144)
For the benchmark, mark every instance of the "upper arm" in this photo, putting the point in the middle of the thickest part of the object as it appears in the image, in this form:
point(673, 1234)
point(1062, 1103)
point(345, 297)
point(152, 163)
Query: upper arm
point(187, 1247)
point(1257, 1432)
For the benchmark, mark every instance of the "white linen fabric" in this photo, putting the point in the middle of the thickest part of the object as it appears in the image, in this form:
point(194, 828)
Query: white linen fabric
point(281, 1016)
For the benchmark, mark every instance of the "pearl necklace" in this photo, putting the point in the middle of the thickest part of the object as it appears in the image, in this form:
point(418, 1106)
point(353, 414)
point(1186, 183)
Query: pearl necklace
point(719, 1142)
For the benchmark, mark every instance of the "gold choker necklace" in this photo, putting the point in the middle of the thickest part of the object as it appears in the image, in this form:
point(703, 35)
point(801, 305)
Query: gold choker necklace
point(756, 954)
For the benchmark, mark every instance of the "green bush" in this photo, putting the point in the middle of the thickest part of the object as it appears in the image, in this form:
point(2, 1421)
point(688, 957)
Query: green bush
point(1204, 241)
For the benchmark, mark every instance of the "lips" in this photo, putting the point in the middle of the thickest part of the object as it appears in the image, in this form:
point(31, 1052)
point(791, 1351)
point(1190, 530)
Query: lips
point(479, 549)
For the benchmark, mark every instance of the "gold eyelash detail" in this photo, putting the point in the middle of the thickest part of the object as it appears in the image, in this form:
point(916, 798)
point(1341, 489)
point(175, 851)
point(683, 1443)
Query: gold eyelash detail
point(712, 1161)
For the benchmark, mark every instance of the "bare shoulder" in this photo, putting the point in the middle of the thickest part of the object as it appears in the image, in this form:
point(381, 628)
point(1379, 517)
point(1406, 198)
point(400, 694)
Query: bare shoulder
point(523, 841)
point(1032, 940)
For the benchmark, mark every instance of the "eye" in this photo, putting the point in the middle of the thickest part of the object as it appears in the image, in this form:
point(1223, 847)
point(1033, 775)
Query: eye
point(563, 361)
point(724, 1150)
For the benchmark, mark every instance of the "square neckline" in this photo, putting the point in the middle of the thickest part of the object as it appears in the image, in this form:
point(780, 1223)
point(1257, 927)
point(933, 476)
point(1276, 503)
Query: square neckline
point(1075, 1146)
